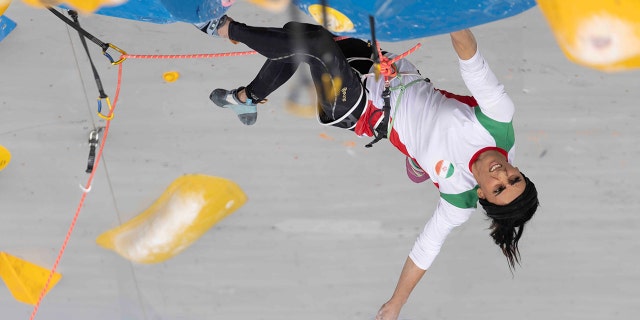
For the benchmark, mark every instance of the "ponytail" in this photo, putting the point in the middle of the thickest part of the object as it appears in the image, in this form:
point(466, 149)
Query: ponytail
point(508, 220)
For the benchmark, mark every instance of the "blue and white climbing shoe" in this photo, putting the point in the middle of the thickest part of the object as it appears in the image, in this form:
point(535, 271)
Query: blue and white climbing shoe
point(211, 27)
point(247, 111)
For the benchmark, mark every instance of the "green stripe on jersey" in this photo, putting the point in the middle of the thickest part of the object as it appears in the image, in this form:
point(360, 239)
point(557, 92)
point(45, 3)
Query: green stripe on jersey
point(465, 200)
point(502, 132)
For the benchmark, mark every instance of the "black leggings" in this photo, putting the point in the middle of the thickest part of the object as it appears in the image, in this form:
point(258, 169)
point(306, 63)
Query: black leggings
point(285, 48)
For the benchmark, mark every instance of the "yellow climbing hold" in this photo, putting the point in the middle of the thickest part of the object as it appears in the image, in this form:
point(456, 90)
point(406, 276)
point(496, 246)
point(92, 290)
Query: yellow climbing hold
point(24, 279)
point(170, 76)
point(5, 157)
point(4, 4)
point(301, 110)
point(336, 20)
point(272, 5)
point(601, 34)
point(84, 6)
point(187, 209)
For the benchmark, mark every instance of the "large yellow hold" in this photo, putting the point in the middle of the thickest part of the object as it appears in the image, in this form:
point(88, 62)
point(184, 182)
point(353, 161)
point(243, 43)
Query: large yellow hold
point(84, 6)
point(601, 34)
point(187, 209)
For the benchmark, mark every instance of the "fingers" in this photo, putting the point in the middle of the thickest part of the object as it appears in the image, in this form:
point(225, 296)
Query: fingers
point(388, 312)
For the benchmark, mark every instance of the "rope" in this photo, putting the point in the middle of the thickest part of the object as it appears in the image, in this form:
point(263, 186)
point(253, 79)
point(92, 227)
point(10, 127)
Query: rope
point(82, 199)
point(108, 118)
point(188, 56)
point(387, 68)
point(402, 88)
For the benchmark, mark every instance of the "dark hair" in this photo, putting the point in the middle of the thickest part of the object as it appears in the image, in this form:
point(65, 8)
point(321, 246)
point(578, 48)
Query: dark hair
point(508, 220)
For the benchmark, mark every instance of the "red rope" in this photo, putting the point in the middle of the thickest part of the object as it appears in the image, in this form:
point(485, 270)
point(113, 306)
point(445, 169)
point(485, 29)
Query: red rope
point(387, 68)
point(406, 53)
point(99, 155)
point(87, 187)
point(82, 198)
point(188, 56)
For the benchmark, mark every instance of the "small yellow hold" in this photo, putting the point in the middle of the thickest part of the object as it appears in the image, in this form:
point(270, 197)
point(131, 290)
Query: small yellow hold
point(301, 110)
point(336, 20)
point(302, 101)
point(24, 279)
point(5, 157)
point(170, 76)
point(83, 6)
point(272, 5)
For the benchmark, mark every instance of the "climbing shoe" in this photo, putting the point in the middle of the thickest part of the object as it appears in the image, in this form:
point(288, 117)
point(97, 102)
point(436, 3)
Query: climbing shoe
point(211, 27)
point(247, 111)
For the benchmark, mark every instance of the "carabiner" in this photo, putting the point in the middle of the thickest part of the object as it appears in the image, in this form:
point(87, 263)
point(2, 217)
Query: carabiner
point(100, 114)
point(122, 54)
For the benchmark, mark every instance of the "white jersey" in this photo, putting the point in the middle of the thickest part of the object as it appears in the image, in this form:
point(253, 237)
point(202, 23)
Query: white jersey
point(444, 133)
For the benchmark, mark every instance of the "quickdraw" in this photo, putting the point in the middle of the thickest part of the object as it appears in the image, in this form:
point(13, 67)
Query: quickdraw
point(75, 23)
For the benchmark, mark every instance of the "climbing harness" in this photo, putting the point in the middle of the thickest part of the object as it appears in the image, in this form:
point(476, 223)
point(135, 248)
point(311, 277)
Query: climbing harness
point(387, 68)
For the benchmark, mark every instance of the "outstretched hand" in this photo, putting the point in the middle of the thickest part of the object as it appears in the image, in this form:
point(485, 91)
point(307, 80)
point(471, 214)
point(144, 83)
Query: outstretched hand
point(389, 311)
point(464, 43)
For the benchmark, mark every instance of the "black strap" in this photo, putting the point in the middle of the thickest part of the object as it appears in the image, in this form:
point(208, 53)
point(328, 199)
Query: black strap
point(104, 46)
point(96, 76)
point(380, 132)
point(374, 42)
point(94, 135)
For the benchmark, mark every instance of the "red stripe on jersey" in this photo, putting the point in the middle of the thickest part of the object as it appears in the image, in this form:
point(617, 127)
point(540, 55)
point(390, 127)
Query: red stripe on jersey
point(395, 140)
point(367, 119)
point(468, 100)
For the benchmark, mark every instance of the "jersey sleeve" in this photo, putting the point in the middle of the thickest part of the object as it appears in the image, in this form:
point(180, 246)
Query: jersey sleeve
point(428, 244)
point(486, 89)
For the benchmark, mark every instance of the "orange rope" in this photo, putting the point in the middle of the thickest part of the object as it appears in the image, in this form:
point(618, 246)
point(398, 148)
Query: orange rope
point(387, 68)
point(99, 154)
point(406, 53)
point(188, 56)
point(106, 133)
point(82, 198)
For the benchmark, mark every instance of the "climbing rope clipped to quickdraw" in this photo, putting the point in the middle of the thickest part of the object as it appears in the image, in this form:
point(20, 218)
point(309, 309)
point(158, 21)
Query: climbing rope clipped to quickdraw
point(95, 142)
point(94, 136)
point(82, 33)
